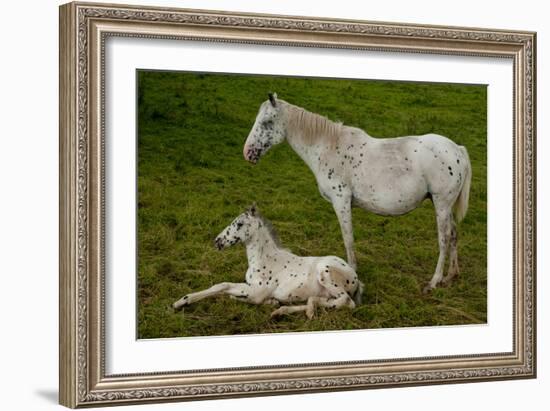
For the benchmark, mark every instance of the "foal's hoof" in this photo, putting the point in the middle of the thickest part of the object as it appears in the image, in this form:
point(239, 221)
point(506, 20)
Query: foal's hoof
point(277, 313)
point(178, 305)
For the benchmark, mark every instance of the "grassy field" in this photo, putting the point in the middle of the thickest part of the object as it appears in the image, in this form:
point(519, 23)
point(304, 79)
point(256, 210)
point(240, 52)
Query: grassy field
point(193, 180)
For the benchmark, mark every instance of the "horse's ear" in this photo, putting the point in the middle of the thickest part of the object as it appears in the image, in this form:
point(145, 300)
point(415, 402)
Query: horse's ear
point(253, 209)
point(273, 99)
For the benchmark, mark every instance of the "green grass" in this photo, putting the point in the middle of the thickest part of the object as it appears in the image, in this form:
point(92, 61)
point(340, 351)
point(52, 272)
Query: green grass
point(193, 180)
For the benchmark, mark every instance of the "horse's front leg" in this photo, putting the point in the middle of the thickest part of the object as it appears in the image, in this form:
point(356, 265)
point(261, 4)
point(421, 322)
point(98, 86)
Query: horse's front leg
point(342, 207)
point(239, 290)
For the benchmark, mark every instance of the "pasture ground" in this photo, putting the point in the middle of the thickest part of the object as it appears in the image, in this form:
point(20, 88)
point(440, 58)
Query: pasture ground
point(193, 180)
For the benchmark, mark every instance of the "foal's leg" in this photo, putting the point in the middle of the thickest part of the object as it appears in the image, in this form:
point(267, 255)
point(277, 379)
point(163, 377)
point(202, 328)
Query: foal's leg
point(309, 308)
point(444, 217)
point(312, 303)
point(239, 290)
point(332, 302)
point(334, 284)
point(271, 301)
point(342, 207)
point(453, 255)
point(289, 309)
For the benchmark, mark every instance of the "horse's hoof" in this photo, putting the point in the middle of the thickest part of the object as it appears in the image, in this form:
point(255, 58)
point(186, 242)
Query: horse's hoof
point(427, 290)
point(448, 280)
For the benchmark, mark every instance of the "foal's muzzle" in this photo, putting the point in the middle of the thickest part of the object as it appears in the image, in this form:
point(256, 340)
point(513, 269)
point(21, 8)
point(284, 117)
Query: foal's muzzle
point(218, 242)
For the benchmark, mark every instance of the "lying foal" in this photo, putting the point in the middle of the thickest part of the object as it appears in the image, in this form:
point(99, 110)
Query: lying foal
point(275, 275)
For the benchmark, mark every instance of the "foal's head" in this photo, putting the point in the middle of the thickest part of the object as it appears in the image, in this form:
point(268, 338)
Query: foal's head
point(268, 130)
point(240, 230)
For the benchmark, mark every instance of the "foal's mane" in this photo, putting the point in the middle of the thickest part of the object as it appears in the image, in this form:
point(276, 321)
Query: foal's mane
point(311, 126)
point(270, 229)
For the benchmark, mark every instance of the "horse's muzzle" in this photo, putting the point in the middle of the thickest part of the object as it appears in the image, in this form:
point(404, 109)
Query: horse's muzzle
point(252, 155)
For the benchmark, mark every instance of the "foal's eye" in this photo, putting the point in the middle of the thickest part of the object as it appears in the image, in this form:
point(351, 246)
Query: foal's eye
point(268, 123)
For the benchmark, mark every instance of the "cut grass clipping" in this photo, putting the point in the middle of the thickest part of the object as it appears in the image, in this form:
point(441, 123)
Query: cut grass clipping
point(193, 180)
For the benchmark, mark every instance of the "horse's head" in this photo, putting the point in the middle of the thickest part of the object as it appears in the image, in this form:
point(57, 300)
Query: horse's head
point(268, 130)
point(240, 230)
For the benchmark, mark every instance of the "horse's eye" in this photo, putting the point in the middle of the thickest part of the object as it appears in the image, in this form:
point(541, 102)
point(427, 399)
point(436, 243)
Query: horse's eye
point(268, 123)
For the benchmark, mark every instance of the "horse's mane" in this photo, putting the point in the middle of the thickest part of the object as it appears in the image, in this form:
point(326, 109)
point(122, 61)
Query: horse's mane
point(311, 126)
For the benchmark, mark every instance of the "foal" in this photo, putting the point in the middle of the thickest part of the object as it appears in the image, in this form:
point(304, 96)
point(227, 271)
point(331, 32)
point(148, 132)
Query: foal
point(275, 275)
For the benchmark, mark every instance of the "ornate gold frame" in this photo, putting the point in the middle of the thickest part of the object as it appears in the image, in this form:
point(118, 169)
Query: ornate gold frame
point(83, 30)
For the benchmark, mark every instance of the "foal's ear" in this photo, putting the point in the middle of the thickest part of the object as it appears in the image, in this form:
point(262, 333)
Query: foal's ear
point(273, 99)
point(253, 209)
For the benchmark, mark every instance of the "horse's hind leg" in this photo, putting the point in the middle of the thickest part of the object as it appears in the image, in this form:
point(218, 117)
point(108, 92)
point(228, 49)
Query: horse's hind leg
point(444, 217)
point(453, 256)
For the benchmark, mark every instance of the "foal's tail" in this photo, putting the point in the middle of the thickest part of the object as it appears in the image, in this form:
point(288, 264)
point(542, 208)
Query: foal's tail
point(461, 204)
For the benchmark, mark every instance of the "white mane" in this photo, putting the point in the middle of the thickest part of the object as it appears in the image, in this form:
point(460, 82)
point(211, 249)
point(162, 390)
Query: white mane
point(311, 126)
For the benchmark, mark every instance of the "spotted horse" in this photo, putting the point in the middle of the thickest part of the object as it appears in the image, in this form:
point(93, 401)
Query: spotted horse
point(387, 176)
point(276, 276)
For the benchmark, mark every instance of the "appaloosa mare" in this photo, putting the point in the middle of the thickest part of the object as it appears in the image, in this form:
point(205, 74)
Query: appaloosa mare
point(388, 176)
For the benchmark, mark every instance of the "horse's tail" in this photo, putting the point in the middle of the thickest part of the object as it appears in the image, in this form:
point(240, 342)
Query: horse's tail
point(358, 293)
point(461, 204)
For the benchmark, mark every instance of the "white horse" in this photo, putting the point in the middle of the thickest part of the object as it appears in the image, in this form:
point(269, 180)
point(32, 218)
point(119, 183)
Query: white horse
point(275, 275)
point(386, 176)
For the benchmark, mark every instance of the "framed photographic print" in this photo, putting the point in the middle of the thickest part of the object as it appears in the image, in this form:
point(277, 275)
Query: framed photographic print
point(259, 204)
